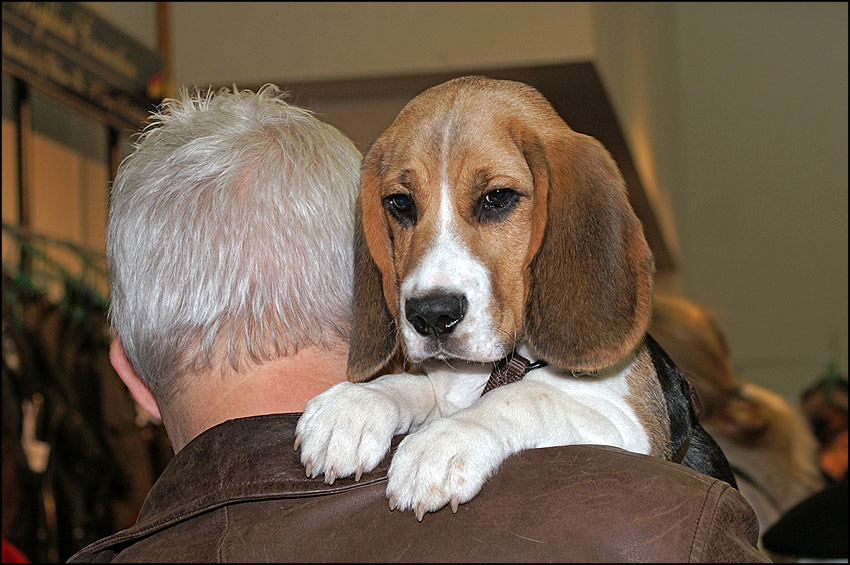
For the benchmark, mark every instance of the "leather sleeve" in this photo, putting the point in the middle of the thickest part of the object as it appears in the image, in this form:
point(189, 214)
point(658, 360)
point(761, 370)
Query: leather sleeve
point(728, 530)
point(579, 503)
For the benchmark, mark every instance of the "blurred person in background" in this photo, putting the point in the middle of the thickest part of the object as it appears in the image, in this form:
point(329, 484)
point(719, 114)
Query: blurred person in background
point(816, 529)
point(825, 405)
point(768, 443)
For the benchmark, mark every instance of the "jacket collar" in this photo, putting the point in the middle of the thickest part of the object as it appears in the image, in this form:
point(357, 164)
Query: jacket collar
point(236, 461)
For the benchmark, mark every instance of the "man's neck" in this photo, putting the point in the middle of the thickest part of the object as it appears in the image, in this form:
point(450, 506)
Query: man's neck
point(282, 385)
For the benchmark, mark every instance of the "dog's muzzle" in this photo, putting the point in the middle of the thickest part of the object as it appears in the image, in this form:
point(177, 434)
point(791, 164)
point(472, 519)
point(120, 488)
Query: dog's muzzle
point(435, 315)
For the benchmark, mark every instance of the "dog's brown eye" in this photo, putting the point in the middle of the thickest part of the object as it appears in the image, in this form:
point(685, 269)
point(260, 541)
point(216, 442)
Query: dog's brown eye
point(496, 205)
point(402, 208)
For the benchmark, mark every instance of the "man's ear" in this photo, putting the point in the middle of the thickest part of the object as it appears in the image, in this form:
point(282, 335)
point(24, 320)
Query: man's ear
point(140, 391)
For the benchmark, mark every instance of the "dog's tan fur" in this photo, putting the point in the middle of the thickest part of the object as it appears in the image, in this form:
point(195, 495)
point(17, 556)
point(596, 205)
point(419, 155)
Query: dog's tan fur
point(648, 403)
point(573, 205)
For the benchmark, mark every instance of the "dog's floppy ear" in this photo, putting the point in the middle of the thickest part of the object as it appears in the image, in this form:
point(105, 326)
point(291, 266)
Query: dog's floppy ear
point(590, 282)
point(374, 337)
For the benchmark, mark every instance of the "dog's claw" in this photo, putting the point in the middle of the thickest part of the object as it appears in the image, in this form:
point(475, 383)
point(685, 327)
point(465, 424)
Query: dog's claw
point(392, 503)
point(308, 467)
point(297, 443)
point(330, 476)
point(420, 512)
point(359, 473)
point(455, 503)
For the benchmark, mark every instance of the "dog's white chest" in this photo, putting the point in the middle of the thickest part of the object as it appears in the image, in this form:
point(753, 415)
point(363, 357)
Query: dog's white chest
point(457, 384)
point(578, 409)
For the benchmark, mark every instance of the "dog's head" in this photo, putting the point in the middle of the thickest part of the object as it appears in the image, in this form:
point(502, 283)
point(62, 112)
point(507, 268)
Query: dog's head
point(484, 219)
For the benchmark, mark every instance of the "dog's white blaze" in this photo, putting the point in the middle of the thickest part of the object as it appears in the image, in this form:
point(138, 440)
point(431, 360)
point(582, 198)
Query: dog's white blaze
point(448, 266)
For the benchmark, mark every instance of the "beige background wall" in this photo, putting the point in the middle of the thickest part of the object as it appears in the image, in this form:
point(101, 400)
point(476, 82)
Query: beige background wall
point(736, 114)
point(742, 111)
point(296, 41)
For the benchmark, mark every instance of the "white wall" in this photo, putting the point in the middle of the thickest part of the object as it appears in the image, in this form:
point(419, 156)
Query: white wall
point(764, 158)
point(745, 106)
point(246, 42)
point(136, 19)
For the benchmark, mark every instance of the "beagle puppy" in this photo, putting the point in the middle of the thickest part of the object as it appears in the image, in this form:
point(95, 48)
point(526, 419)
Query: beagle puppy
point(495, 246)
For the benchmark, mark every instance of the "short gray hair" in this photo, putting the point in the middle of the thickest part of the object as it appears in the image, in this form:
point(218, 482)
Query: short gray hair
point(230, 235)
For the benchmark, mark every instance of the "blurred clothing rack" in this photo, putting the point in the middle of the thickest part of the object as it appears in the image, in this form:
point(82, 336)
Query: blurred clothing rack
point(23, 234)
point(40, 268)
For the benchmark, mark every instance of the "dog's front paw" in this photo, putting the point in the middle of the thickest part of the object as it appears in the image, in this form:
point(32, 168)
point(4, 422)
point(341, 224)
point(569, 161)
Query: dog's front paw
point(346, 430)
point(446, 462)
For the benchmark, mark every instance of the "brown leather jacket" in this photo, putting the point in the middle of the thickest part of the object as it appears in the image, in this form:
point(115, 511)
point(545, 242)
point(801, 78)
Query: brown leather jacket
point(238, 493)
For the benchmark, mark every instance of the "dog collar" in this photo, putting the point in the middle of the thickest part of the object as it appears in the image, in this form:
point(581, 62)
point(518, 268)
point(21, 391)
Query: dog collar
point(509, 370)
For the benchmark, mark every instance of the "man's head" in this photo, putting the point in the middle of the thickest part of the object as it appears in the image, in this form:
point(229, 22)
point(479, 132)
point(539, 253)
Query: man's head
point(229, 238)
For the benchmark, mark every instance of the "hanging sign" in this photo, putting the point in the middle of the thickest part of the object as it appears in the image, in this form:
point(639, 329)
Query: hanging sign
point(65, 46)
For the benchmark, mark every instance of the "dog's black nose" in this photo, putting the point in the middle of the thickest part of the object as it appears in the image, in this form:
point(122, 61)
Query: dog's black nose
point(435, 314)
